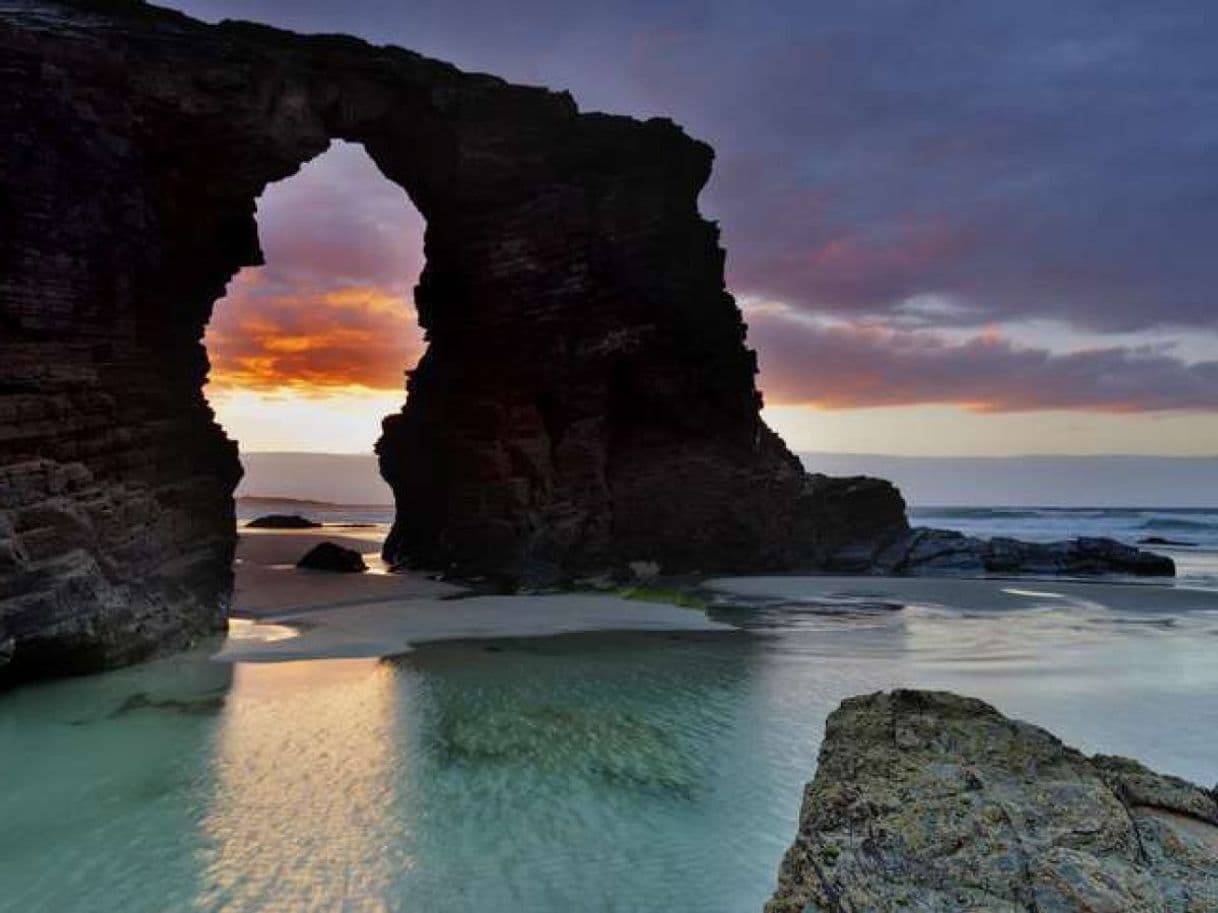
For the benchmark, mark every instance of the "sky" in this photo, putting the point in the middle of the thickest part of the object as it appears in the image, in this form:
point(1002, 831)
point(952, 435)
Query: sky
point(954, 228)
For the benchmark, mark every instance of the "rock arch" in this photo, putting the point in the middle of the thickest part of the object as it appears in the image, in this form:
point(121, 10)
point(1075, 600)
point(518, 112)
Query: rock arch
point(587, 397)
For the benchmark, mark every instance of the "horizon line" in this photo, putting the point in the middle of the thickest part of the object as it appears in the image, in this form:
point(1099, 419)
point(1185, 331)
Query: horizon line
point(849, 453)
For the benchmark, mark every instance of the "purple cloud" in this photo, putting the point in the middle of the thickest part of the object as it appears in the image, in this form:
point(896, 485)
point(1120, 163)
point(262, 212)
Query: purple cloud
point(1022, 161)
point(851, 365)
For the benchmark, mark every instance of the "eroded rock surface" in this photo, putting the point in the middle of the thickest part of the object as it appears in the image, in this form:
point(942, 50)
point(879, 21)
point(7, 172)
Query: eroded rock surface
point(927, 802)
point(587, 399)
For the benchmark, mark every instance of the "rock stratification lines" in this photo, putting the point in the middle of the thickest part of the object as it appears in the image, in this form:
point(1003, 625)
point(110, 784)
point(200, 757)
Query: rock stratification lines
point(587, 397)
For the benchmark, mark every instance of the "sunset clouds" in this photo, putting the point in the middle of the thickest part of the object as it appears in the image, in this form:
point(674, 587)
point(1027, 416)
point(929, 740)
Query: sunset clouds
point(331, 311)
point(836, 365)
point(312, 340)
point(1000, 208)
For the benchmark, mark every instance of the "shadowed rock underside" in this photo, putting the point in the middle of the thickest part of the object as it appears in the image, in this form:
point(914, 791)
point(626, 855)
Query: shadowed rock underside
point(927, 802)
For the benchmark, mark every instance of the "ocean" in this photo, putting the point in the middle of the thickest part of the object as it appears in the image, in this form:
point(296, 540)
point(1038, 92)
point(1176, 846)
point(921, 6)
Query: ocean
point(610, 772)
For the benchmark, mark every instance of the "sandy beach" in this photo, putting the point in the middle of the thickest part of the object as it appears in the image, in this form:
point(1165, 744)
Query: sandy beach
point(269, 583)
point(281, 612)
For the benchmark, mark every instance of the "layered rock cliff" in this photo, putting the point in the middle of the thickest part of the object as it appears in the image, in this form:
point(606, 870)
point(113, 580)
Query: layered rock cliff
point(926, 802)
point(586, 399)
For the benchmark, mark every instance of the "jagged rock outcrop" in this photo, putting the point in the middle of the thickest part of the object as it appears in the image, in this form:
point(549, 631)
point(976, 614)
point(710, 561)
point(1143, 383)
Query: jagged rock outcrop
point(857, 526)
point(927, 802)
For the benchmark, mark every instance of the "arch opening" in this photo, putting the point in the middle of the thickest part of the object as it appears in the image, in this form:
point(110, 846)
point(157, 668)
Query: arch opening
point(308, 350)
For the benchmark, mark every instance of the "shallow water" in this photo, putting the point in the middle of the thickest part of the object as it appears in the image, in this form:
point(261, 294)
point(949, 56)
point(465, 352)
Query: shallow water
point(593, 772)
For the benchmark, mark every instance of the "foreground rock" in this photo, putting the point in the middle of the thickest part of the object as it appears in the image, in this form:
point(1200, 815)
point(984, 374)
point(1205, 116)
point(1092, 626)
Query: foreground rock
point(282, 521)
point(926, 802)
point(327, 556)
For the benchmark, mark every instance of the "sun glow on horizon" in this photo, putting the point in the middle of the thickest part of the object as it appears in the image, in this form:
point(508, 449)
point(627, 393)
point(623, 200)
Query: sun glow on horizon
point(949, 430)
point(317, 421)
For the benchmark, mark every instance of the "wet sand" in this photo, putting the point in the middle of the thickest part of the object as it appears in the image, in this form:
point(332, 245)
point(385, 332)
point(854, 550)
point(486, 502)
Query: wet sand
point(269, 583)
point(281, 612)
point(976, 594)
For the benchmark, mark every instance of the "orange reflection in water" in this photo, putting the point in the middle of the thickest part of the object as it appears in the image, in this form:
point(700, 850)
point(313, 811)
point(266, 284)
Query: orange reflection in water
point(303, 813)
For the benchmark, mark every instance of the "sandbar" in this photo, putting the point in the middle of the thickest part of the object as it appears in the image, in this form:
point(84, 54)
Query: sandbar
point(283, 613)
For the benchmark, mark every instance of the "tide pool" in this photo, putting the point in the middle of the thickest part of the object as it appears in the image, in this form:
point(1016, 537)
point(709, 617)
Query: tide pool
point(614, 772)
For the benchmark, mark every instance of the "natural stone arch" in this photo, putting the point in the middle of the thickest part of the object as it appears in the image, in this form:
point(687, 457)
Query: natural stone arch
point(586, 400)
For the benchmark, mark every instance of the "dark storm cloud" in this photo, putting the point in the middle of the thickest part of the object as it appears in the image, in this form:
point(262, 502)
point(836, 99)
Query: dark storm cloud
point(1020, 160)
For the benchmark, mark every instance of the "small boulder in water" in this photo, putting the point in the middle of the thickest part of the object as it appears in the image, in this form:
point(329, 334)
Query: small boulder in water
point(282, 521)
point(1159, 540)
point(326, 556)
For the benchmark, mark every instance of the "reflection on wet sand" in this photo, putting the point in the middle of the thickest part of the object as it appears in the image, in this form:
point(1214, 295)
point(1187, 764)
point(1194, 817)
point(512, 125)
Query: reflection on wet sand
point(304, 784)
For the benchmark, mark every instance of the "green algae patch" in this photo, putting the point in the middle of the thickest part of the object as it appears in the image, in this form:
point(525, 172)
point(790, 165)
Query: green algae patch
point(684, 599)
point(594, 742)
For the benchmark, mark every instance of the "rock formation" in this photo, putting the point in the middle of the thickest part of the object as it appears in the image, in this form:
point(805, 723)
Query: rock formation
point(941, 552)
point(1159, 540)
point(282, 521)
point(926, 802)
point(587, 399)
point(328, 556)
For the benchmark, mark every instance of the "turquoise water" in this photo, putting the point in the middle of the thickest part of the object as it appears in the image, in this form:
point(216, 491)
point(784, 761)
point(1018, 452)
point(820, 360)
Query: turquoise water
point(595, 772)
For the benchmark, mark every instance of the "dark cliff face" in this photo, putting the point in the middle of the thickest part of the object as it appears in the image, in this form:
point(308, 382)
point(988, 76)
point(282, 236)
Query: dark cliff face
point(587, 398)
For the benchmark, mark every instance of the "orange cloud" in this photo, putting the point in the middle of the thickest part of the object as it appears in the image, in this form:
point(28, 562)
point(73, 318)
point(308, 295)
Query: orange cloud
point(311, 340)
